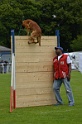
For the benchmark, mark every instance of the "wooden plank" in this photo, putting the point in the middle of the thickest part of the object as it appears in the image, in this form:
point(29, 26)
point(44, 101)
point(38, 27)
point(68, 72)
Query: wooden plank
point(38, 84)
point(42, 38)
point(35, 54)
point(34, 67)
point(34, 103)
point(37, 98)
point(43, 43)
point(32, 57)
point(34, 49)
point(33, 91)
point(31, 77)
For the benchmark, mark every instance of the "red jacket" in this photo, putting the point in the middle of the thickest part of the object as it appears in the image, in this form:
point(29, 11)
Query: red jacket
point(61, 68)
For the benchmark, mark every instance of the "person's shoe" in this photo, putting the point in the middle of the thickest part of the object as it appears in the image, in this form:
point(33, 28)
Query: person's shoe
point(71, 105)
point(57, 104)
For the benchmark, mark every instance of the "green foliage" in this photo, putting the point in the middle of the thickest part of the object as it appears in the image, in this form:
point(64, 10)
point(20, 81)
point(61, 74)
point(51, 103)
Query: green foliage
point(68, 21)
point(10, 18)
point(77, 44)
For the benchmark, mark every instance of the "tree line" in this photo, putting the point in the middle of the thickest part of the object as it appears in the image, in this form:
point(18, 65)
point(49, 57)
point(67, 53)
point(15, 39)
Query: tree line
point(64, 15)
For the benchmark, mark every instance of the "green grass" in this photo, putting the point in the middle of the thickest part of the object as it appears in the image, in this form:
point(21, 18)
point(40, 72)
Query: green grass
point(42, 115)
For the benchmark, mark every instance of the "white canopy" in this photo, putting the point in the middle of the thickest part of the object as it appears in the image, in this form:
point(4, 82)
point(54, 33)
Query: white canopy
point(80, 62)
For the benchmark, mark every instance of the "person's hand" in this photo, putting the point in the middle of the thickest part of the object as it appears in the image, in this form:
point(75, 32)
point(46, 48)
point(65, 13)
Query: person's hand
point(68, 77)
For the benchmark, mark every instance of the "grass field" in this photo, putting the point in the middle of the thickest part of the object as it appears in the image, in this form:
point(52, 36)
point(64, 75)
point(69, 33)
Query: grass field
point(42, 115)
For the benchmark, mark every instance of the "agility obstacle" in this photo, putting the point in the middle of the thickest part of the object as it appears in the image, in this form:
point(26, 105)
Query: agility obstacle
point(32, 72)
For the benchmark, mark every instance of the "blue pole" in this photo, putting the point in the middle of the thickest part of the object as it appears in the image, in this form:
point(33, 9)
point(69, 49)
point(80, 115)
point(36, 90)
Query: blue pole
point(58, 37)
point(13, 41)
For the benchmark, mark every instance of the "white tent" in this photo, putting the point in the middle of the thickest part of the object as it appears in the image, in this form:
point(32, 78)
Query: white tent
point(80, 62)
point(76, 60)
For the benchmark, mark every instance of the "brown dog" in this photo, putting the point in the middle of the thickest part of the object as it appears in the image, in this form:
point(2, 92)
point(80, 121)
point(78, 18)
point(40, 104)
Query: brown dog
point(33, 28)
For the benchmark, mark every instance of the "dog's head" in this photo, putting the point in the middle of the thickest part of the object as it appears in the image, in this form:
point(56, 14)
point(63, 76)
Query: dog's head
point(26, 24)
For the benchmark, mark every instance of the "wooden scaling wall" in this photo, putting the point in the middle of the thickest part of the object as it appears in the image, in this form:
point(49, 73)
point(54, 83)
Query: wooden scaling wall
point(34, 71)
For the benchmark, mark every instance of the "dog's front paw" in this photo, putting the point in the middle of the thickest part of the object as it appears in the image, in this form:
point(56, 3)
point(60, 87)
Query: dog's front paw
point(29, 42)
point(35, 42)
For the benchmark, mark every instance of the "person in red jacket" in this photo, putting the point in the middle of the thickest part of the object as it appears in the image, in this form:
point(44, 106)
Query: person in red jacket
point(62, 74)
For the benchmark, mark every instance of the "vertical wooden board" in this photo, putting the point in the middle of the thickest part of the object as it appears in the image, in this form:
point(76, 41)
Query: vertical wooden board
point(34, 72)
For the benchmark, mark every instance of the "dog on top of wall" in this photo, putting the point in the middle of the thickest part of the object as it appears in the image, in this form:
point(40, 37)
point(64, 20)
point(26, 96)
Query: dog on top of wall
point(34, 30)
